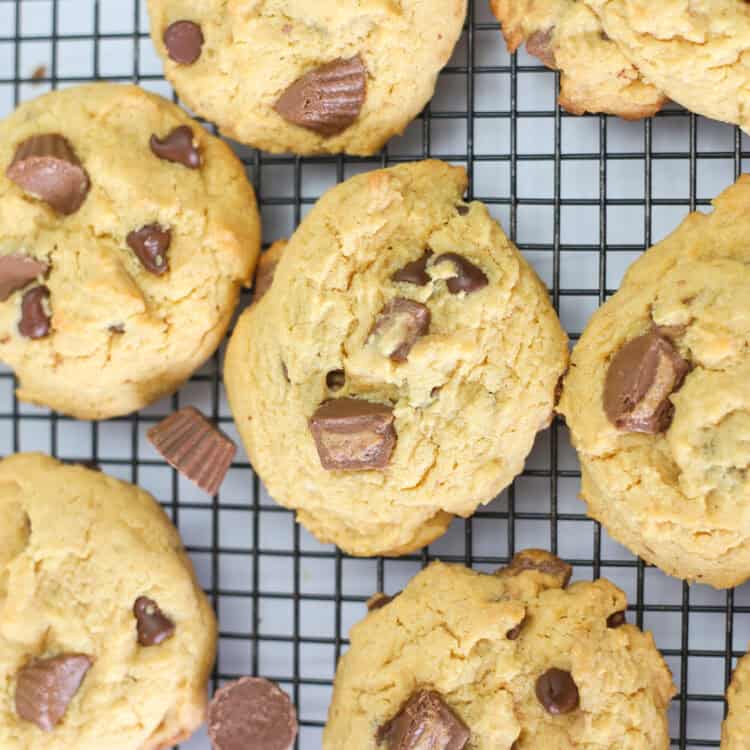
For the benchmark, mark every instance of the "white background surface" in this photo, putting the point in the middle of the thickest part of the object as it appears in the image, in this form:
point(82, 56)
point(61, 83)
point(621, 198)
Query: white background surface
point(284, 616)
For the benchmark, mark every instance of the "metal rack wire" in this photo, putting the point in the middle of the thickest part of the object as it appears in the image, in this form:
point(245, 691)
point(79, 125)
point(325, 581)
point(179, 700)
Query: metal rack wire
point(581, 196)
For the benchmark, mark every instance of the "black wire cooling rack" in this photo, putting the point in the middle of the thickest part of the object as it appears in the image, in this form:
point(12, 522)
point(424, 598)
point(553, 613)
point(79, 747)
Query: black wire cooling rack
point(582, 197)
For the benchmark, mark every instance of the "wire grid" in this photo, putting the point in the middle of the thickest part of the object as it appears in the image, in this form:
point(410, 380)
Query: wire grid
point(582, 197)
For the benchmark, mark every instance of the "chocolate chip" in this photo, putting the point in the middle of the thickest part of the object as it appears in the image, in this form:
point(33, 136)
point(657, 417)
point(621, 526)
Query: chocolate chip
point(425, 721)
point(514, 632)
point(399, 325)
point(351, 434)
point(326, 100)
point(462, 210)
point(184, 42)
point(45, 688)
point(640, 379)
point(544, 562)
point(154, 627)
point(539, 44)
point(178, 147)
point(35, 320)
point(557, 691)
point(469, 278)
point(18, 271)
point(117, 328)
point(336, 380)
point(414, 272)
point(252, 714)
point(616, 619)
point(46, 167)
point(193, 446)
point(150, 244)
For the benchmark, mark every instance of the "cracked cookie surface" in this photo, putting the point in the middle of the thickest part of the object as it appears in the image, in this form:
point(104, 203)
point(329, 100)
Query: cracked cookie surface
point(80, 553)
point(249, 54)
point(670, 478)
point(144, 273)
point(518, 659)
point(402, 332)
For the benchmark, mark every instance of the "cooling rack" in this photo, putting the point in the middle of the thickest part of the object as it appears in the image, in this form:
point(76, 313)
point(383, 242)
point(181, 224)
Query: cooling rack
point(581, 196)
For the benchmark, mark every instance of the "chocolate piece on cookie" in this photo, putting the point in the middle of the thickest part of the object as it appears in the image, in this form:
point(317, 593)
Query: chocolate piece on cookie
point(18, 271)
point(178, 146)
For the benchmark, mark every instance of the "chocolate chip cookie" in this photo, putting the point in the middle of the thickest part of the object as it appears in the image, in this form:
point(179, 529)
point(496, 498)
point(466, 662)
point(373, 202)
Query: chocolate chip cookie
point(735, 731)
point(595, 74)
point(658, 402)
point(106, 638)
point(397, 369)
point(517, 660)
point(126, 232)
point(328, 76)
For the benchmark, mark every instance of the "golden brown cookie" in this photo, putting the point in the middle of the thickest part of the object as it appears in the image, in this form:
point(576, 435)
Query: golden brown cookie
point(126, 232)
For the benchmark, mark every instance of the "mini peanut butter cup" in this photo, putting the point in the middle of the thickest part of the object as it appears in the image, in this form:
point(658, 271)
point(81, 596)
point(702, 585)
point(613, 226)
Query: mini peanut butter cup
point(193, 446)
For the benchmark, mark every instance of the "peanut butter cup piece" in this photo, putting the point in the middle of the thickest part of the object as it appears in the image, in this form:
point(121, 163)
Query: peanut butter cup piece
point(326, 100)
point(184, 42)
point(399, 325)
point(46, 167)
point(153, 626)
point(193, 446)
point(639, 382)
point(35, 320)
point(351, 434)
point(425, 722)
point(150, 244)
point(178, 147)
point(18, 271)
point(45, 688)
point(469, 278)
point(252, 714)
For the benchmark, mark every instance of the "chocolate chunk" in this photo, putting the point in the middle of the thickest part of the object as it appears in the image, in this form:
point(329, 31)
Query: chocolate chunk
point(539, 44)
point(515, 632)
point(351, 434)
point(468, 277)
point(640, 379)
point(414, 272)
point(252, 714)
point(154, 627)
point(462, 210)
point(35, 320)
point(378, 601)
point(399, 325)
point(426, 722)
point(193, 446)
point(18, 271)
point(544, 562)
point(616, 619)
point(178, 147)
point(150, 244)
point(336, 380)
point(557, 691)
point(184, 42)
point(326, 100)
point(45, 688)
point(46, 166)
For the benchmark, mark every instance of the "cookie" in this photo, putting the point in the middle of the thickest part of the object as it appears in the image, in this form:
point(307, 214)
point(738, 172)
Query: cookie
point(328, 76)
point(734, 731)
point(692, 50)
point(514, 660)
point(126, 233)
point(106, 639)
point(399, 366)
point(658, 403)
point(595, 74)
